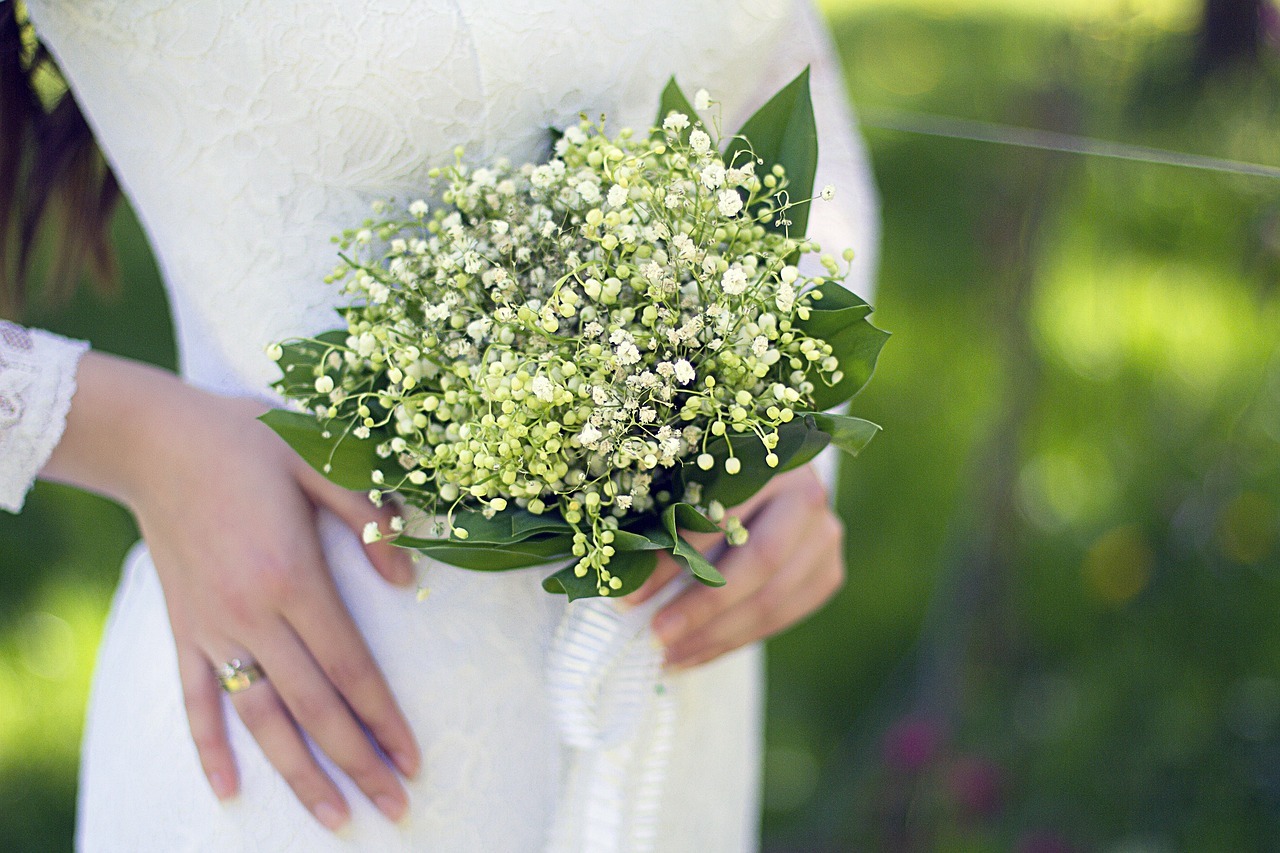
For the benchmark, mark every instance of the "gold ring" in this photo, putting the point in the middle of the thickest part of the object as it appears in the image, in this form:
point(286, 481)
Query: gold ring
point(237, 675)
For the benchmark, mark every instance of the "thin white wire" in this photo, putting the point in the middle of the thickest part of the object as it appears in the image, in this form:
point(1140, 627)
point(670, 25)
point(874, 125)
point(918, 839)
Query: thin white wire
point(950, 127)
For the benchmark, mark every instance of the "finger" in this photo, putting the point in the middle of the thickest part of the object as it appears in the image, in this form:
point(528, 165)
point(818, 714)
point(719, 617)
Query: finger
point(265, 717)
point(319, 711)
point(709, 544)
point(776, 531)
point(203, 699)
point(325, 627)
point(356, 511)
point(785, 599)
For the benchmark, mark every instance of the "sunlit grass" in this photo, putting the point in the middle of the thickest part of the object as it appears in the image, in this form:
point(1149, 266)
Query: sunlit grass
point(46, 658)
point(1192, 326)
point(1165, 14)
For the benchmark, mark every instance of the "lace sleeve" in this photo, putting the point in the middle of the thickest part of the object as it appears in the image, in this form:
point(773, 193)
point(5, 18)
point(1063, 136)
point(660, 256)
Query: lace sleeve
point(37, 382)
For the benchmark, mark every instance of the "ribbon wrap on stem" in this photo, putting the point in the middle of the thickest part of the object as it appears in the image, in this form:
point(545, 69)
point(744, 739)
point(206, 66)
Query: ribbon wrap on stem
point(616, 718)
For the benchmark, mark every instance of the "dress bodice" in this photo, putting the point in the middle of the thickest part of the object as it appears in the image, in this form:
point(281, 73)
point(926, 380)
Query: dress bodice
point(246, 134)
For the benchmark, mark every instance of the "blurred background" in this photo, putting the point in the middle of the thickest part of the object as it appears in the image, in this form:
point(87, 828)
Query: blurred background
point(1061, 630)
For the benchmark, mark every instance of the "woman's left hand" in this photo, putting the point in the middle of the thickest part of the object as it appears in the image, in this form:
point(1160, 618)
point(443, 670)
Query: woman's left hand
point(792, 563)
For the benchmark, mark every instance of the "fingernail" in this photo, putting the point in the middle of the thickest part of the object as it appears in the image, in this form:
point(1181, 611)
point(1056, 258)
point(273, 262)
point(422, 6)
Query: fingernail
point(224, 788)
point(406, 763)
point(667, 626)
point(332, 817)
point(392, 807)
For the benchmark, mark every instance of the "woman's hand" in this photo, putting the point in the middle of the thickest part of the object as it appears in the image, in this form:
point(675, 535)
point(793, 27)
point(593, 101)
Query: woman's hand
point(228, 511)
point(792, 563)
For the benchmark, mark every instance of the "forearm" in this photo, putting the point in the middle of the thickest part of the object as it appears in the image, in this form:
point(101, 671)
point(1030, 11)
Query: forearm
point(112, 422)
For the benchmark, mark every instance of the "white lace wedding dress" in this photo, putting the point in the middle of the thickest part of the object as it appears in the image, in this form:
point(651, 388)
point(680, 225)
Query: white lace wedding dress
point(245, 134)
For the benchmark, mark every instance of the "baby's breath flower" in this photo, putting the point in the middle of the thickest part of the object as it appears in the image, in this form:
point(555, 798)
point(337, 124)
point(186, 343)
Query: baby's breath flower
point(684, 372)
point(729, 203)
point(700, 142)
point(675, 122)
point(371, 533)
point(734, 281)
point(701, 100)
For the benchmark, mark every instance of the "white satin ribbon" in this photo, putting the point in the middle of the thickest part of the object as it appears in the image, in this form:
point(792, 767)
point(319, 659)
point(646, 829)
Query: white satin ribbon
point(616, 717)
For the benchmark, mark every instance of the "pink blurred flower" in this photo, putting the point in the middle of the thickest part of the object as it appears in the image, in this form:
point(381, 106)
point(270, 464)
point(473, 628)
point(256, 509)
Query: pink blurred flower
point(976, 785)
point(912, 743)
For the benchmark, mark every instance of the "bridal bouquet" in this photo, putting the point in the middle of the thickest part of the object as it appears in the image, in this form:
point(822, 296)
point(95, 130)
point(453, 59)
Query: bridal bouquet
point(580, 359)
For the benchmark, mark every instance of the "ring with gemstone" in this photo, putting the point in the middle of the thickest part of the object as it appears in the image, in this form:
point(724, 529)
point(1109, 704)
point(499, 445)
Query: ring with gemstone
point(237, 675)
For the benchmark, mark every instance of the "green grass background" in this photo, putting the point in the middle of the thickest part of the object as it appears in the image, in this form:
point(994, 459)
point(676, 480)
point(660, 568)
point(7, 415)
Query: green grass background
point(1060, 627)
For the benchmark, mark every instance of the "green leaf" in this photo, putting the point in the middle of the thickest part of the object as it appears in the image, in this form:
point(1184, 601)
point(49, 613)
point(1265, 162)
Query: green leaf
point(300, 360)
point(343, 459)
point(688, 518)
point(848, 433)
point(484, 556)
point(631, 567)
point(783, 132)
point(857, 348)
point(673, 100)
point(840, 319)
point(732, 489)
point(525, 523)
point(649, 540)
point(838, 307)
point(511, 525)
point(685, 554)
point(815, 441)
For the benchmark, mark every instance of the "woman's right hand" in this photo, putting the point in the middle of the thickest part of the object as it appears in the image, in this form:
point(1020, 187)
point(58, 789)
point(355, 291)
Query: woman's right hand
point(228, 512)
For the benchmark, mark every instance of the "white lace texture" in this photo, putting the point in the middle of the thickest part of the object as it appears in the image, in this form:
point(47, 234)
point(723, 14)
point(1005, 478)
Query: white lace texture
point(245, 134)
point(37, 382)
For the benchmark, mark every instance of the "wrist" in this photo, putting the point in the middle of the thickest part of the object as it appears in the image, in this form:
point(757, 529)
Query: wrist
point(121, 418)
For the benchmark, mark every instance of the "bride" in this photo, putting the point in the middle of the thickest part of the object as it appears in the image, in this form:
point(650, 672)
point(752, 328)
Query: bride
point(266, 681)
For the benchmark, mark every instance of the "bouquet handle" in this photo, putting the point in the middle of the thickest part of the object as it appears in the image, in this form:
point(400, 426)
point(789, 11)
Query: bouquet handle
point(616, 719)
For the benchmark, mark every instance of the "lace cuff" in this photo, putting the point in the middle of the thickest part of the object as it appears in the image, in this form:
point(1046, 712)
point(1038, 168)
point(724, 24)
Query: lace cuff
point(37, 382)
